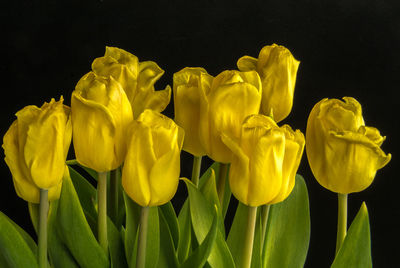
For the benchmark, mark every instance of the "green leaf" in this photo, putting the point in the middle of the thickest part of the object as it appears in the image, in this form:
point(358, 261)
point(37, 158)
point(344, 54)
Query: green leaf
point(355, 251)
point(59, 254)
point(115, 245)
point(131, 227)
point(168, 258)
point(199, 257)
point(34, 215)
point(132, 230)
point(185, 232)
point(209, 190)
point(86, 193)
point(90, 171)
point(237, 236)
point(227, 193)
point(202, 213)
point(288, 230)
point(13, 248)
point(153, 238)
point(75, 231)
point(172, 221)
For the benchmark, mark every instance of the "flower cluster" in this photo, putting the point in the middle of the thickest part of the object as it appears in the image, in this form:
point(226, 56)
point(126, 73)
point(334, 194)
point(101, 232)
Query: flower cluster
point(119, 134)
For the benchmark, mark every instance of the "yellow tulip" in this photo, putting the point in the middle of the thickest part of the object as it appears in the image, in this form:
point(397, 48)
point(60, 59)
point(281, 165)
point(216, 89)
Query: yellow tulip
point(265, 162)
point(187, 94)
point(137, 79)
point(278, 70)
point(151, 169)
point(36, 147)
point(343, 153)
point(101, 114)
point(225, 102)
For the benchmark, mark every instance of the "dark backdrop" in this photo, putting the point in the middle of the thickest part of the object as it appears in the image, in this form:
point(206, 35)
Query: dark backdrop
point(346, 48)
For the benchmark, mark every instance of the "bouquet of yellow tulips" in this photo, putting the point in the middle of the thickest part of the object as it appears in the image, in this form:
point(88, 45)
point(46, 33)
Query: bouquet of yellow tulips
point(111, 206)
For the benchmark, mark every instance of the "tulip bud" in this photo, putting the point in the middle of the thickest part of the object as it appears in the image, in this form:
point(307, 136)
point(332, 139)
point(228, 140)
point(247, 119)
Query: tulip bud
point(151, 169)
point(36, 147)
point(187, 107)
point(136, 78)
point(265, 162)
point(278, 69)
point(225, 102)
point(101, 114)
point(343, 153)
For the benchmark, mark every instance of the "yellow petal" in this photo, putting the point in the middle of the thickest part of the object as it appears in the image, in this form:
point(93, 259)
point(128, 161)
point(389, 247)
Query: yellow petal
point(123, 57)
point(229, 105)
point(187, 107)
point(164, 177)
point(93, 129)
point(44, 148)
point(266, 168)
point(150, 99)
point(138, 163)
point(149, 73)
point(247, 63)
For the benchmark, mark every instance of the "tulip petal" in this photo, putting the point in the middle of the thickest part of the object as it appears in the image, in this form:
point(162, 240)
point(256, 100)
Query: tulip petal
point(247, 63)
point(164, 177)
point(150, 99)
point(226, 116)
point(138, 162)
point(123, 57)
point(149, 73)
point(44, 148)
point(91, 123)
point(266, 168)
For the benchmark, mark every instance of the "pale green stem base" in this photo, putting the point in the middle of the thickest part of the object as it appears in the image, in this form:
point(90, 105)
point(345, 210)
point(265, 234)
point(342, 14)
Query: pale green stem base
point(223, 170)
point(114, 189)
point(102, 210)
point(42, 232)
point(141, 251)
point(196, 169)
point(342, 220)
point(249, 238)
point(264, 221)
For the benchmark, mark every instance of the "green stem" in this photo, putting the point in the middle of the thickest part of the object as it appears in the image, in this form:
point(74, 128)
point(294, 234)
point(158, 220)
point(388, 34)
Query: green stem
point(249, 237)
point(141, 251)
point(342, 220)
point(196, 169)
point(223, 170)
point(42, 233)
point(114, 192)
point(102, 210)
point(264, 221)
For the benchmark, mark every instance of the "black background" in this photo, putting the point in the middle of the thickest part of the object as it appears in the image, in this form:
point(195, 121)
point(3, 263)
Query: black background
point(346, 48)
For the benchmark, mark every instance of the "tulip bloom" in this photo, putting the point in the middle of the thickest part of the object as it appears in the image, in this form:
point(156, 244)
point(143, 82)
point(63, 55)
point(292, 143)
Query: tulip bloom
point(36, 147)
point(343, 153)
point(225, 102)
point(265, 162)
point(151, 169)
point(101, 113)
point(187, 107)
point(136, 78)
point(278, 70)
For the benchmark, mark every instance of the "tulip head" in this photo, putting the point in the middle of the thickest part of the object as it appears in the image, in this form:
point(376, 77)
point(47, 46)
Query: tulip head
point(343, 153)
point(136, 78)
point(101, 114)
point(265, 161)
point(151, 169)
point(278, 70)
point(225, 102)
point(36, 147)
point(186, 87)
